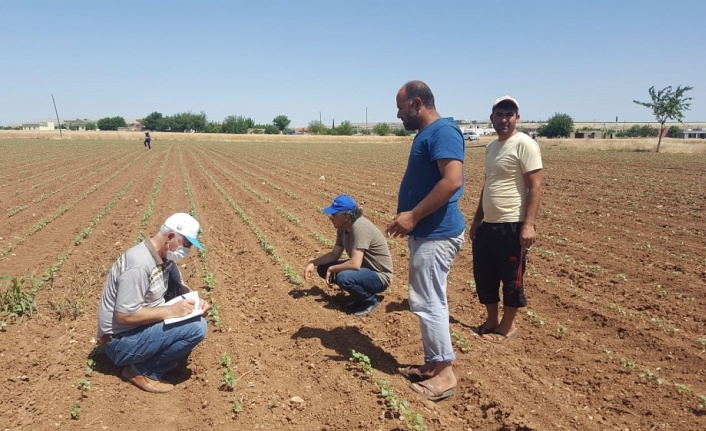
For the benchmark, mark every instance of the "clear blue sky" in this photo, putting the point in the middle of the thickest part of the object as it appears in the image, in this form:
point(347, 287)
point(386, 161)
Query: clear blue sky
point(259, 59)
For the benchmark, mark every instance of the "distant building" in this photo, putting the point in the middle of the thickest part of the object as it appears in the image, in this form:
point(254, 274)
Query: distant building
point(44, 125)
point(76, 124)
point(693, 134)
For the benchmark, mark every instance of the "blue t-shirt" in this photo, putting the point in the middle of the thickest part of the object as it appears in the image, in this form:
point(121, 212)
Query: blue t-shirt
point(442, 139)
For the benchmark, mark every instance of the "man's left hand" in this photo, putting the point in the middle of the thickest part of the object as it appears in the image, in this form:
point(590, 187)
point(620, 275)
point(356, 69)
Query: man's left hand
point(528, 235)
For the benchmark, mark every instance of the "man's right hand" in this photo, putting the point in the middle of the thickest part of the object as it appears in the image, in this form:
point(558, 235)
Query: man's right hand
point(308, 271)
point(183, 308)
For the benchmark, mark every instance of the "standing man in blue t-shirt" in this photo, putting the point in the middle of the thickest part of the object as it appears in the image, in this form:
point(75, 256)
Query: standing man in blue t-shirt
point(427, 211)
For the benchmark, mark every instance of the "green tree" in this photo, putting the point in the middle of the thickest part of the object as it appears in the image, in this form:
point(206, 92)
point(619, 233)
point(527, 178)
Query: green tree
point(281, 122)
point(382, 129)
point(674, 132)
point(154, 121)
point(237, 124)
point(402, 132)
point(111, 123)
point(213, 127)
point(344, 129)
point(667, 104)
point(90, 125)
point(317, 127)
point(558, 126)
point(187, 121)
point(271, 129)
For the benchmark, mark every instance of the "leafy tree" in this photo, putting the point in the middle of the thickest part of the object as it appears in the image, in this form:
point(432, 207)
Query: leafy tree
point(382, 129)
point(271, 129)
point(402, 132)
point(667, 104)
point(154, 121)
point(281, 122)
point(111, 123)
point(213, 127)
point(637, 131)
point(674, 132)
point(90, 125)
point(187, 121)
point(558, 126)
point(343, 129)
point(237, 124)
point(317, 127)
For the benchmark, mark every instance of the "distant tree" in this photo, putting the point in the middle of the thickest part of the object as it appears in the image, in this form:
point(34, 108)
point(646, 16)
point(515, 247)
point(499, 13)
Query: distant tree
point(237, 124)
point(674, 132)
point(382, 129)
point(558, 126)
point(667, 104)
point(111, 123)
point(343, 129)
point(317, 127)
point(154, 121)
point(187, 121)
point(213, 127)
point(402, 132)
point(281, 122)
point(271, 129)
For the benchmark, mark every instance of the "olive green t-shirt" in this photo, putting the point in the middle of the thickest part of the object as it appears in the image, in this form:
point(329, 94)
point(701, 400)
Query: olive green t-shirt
point(364, 235)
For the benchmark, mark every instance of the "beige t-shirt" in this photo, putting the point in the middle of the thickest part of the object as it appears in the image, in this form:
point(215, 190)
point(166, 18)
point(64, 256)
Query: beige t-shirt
point(366, 236)
point(505, 192)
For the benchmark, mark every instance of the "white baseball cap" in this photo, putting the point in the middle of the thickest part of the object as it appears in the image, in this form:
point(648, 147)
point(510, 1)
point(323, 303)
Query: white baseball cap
point(506, 98)
point(186, 226)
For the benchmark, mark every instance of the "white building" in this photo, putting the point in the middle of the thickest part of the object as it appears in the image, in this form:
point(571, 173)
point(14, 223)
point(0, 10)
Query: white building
point(44, 125)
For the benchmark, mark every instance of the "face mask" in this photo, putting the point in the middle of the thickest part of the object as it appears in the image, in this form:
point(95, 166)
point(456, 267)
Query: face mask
point(177, 255)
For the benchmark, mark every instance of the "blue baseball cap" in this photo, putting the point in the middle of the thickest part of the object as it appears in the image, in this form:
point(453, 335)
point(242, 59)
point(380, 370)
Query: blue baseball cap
point(341, 203)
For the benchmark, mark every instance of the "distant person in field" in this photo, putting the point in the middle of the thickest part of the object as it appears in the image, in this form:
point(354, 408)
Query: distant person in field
point(368, 271)
point(504, 225)
point(429, 216)
point(148, 139)
point(132, 308)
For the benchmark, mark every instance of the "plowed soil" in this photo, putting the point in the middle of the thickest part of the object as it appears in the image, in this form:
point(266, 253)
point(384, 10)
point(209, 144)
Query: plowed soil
point(613, 338)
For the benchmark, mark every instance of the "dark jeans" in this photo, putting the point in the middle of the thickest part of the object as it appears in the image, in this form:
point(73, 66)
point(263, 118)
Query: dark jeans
point(362, 284)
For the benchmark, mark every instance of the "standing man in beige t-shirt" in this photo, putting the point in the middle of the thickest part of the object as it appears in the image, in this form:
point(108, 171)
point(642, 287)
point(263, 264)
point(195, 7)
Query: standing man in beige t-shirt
point(504, 224)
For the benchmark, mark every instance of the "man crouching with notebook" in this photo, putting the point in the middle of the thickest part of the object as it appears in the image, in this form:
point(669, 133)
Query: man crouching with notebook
point(132, 309)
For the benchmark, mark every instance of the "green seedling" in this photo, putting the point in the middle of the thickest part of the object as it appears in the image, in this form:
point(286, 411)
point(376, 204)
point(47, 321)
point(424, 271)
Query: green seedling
point(702, 402)
point(649, 375)
point(75, 411)
point(701, 340)
point(535, 318)
point(228, 381)
point(362, 360)
point(608, 353)
point(18, 300)
point(627, 364)
point(461, 342)
point(682, 388)
point(236, 405)
point(561, 331)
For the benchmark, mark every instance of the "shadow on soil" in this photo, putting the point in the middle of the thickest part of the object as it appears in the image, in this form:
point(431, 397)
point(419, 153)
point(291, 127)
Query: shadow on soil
point(346, 338)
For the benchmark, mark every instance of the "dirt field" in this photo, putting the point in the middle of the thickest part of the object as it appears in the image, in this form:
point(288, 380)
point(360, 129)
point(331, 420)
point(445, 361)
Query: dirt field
point(613, 338)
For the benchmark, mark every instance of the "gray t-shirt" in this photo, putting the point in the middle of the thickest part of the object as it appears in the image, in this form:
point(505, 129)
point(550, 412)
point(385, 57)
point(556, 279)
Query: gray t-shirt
point(366, 236)
point(139, 278)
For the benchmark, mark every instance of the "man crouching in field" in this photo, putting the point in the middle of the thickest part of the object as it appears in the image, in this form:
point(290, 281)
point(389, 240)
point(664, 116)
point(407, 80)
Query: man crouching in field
point(132, 309)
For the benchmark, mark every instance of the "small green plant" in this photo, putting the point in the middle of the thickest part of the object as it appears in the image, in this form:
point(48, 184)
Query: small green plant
point(608, 353)
point(292, 275)
point(17, 300)
point(75, 411)
point(84, 385)
point(404, 252)
point(363, 362)
point(214, 314)
point(682, 388)
point(471, 283)
point(228, 381)
point(649, 375)
point(236, 405)
point(622, 277)
point(413, 420)
point(561, 331)
point(461, 342)
point(702, 402)
point(701, 340)
point(535, 318)
point(627, 364)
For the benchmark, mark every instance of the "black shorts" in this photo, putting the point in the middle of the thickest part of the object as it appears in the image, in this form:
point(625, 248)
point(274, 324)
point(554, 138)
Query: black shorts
point(498, 256)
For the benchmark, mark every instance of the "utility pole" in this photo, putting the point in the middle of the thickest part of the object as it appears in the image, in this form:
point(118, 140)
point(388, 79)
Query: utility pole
point(366, 118)
point(57, 115)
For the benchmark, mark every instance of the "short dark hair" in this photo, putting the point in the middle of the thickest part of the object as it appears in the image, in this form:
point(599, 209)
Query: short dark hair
point(352, 215)
point(420, 89)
